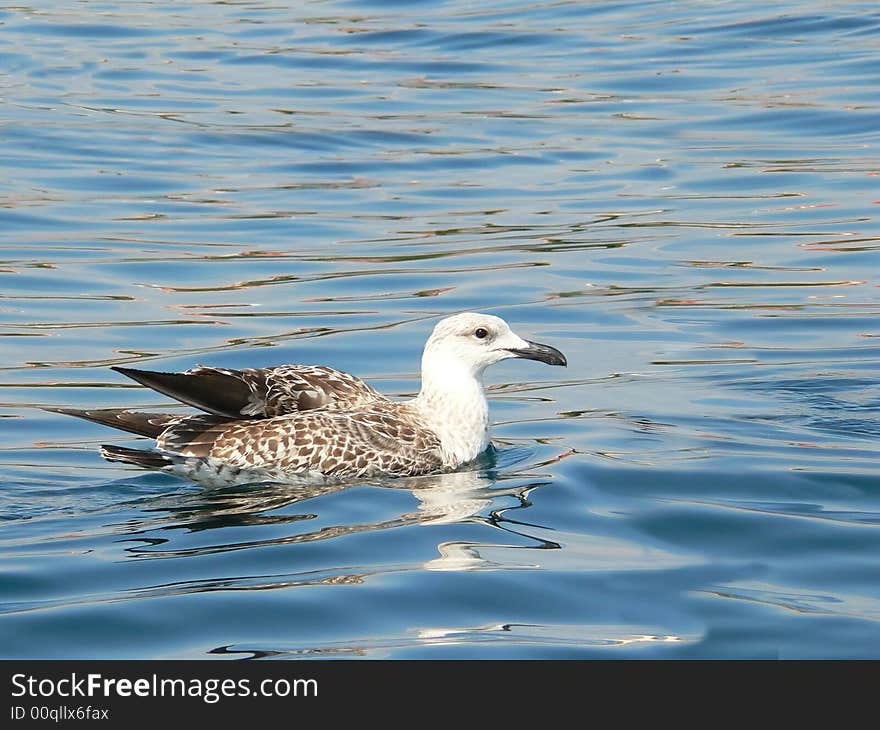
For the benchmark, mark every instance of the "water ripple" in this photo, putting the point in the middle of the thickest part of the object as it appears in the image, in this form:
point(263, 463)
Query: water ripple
point(678, 196)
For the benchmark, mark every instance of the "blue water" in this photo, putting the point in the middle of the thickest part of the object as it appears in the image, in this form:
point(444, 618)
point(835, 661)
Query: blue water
point(682, 197)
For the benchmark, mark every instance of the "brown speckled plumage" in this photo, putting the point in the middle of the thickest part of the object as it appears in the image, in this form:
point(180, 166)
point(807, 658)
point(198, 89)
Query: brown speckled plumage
point(260, 392)
point(377, 438)
point(306, 420)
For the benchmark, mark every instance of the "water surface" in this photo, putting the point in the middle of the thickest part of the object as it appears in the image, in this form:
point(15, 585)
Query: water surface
point(681, 197)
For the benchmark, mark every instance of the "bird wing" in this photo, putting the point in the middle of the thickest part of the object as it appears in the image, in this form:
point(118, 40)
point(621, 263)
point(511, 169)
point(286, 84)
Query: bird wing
point(260, 392)
point(371, 441)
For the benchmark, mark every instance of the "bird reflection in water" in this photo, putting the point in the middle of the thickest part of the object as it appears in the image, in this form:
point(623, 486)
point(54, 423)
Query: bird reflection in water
point(479, 496)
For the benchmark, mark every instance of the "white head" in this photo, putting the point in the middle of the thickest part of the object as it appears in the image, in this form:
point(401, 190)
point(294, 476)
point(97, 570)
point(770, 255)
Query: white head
point(471, 342)
point(452, 401)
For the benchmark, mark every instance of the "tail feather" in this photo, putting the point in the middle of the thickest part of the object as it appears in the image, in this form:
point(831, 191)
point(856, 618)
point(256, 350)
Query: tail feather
point(146, 458)
point(143, 424)
point(204, 471)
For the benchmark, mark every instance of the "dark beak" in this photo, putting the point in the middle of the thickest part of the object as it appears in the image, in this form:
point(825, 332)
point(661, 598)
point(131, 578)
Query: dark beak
point(542, 353)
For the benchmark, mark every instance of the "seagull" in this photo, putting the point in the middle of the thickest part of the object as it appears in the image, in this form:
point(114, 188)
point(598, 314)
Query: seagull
point(312, 423)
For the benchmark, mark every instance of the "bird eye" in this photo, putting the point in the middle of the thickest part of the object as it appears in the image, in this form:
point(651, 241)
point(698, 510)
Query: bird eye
point(480, 333)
